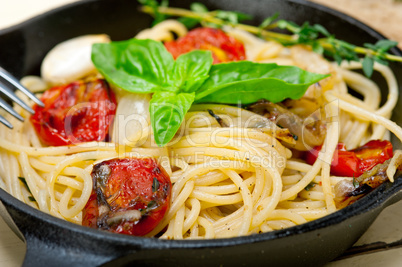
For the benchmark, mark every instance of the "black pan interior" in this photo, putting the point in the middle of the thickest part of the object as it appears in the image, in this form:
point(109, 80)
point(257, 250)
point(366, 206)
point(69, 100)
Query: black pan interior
point(21, 50)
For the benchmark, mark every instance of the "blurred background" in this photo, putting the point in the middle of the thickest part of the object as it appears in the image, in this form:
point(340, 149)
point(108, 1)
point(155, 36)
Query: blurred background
point(383, 15)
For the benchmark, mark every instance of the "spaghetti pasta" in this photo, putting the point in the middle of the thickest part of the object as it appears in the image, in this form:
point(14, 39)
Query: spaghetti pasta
point(227, 181)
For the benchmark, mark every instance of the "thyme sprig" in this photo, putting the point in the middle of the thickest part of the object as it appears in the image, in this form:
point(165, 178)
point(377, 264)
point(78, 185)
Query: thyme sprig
point(316, 36)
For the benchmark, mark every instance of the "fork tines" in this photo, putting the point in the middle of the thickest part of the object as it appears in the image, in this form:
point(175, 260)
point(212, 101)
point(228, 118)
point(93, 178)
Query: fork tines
point(8, 84)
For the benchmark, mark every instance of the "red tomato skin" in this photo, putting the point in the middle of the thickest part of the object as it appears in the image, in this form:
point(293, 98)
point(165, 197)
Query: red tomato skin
point(91, 212)
point(373, 153)
point(354, 163)
point(75, 113)
point(224, 48)
point(129, 186)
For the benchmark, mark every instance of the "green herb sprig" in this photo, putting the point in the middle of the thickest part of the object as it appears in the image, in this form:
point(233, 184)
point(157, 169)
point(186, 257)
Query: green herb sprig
point(145, 66)
point(315, 35)
point(24, 182)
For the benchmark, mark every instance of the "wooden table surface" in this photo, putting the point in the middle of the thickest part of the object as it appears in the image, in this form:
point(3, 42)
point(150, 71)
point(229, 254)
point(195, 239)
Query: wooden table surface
point(387, 228)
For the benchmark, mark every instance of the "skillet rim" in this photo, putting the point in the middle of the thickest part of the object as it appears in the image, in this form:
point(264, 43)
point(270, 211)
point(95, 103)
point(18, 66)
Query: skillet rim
point(380, 197)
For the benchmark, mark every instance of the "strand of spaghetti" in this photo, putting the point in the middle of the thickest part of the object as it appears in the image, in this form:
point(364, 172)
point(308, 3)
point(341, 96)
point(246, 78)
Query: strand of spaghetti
point(70, 212)
point(69, 182)
point(378, 132)
point(369, 90)
point(288, 215)
point(334, 179)
point(223, 222)
point(194, 231)
point(308, 177)
point(223, 153)
point(230, 229)
point(33, 138)
point(245, 115)
point(40, 165)
point(212, 177)
point(209, 230)
point(313, 195)
point(347, 122)
point(267, 190)
point(42, 200)
point(174, 207)
point(202, 169)
point(60, 150)
point(41, 183)
point(329, 146)
point(291, 179)
point(229, 154)
point(356, 135)
point(261, 190)
point(306, 204)
point(64, 200)
point(265, 228)
point(218, 189)
point(248, 134)
point(178, 223)
point(191, 218)
point(15, 172)
point(279, 224)
point(28, 173)
point(394, 164)
point(298, 166)
point(258, 136)
point(391, 82)
point(312, 214)
point(68, 161)
point(168, 234)
point(12, 162)
point(368, 116)
point(217, 199)
point(6, 171)
point(274, 198)
point(247, 200)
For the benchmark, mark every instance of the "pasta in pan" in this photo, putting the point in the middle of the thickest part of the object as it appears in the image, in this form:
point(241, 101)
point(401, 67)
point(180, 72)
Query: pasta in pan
point(233, 172)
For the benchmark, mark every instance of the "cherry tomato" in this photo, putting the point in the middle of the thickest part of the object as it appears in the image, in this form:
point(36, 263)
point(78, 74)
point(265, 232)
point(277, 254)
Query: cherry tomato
point(74, 113)
point(354, 163)
point(129, 196)
point(224, 48)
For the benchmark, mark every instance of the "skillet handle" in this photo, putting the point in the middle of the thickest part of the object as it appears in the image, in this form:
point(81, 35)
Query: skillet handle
point(44, 253)
point(50, 245)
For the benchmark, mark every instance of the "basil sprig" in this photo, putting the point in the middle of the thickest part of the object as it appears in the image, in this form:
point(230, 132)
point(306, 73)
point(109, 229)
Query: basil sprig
point(145, 66)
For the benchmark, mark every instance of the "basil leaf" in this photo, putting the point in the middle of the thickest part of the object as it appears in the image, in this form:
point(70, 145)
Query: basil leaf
point(247, 82)
point(141, 66)
point(191, 70)
point(368, 66)
point(167, 112)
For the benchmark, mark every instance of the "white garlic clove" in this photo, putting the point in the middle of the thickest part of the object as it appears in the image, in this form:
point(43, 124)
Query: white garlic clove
point(71, 59)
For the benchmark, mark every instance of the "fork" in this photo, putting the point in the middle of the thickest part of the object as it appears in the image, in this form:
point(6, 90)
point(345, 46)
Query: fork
point(8, 90)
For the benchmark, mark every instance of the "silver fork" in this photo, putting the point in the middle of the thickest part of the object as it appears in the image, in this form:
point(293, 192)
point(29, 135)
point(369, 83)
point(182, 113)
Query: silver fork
point(7, 88)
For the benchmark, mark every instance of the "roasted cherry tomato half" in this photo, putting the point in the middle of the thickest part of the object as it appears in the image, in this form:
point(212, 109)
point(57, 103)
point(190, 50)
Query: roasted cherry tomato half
point(224, 48)
point(75, 113)
point(354, 163)
point(129, 196)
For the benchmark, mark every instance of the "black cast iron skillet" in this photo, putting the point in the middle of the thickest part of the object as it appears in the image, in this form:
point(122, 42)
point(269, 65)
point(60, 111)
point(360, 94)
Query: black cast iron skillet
point(53, 242)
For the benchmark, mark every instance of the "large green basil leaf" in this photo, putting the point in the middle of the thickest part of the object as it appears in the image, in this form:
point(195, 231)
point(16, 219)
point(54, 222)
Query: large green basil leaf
point(247, 82)
point(191, 70)
point(141, 66)
point(167, 112)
